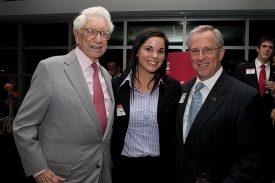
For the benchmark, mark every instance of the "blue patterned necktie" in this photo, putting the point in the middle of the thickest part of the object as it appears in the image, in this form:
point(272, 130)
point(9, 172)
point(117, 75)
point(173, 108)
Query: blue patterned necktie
point(195, 106)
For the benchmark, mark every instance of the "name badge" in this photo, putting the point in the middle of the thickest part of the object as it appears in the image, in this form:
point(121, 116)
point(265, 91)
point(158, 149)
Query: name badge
point(120, 111)
point(250, 71)
point(182, 98)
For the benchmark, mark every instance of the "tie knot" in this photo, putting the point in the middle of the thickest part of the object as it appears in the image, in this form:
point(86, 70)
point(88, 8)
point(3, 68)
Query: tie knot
point(95, 67)
point(262, 66)
point(199, 86)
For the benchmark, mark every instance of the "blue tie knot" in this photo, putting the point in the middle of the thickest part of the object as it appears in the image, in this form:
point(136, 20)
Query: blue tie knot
point(199, 86)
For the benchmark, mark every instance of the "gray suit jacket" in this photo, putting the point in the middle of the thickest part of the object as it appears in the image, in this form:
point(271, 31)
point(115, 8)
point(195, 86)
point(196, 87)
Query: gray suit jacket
point(57, 126)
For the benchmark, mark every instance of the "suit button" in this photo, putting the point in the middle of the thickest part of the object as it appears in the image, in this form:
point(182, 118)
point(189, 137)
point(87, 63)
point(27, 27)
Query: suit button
point(97, 166)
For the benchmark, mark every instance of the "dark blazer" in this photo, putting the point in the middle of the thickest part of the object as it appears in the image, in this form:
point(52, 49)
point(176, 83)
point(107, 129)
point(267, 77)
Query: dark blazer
point(267, 105)
point(166, 116)
point(224, 138)
point(252, 80)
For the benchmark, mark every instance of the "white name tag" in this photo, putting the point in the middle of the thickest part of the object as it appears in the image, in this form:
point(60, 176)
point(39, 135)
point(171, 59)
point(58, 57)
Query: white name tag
point(250, 71)
point(182, 98)
point(120, 110)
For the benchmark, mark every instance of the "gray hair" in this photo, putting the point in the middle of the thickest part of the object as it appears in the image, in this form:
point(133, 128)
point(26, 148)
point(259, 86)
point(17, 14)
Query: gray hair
point(203, 28)
point(80, 20)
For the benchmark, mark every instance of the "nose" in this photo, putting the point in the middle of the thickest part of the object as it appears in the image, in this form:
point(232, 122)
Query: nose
point(201, 55)
point(97, 38)
point(155, 54)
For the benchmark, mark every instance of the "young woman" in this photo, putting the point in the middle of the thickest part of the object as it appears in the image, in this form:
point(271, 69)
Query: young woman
point(142, 144)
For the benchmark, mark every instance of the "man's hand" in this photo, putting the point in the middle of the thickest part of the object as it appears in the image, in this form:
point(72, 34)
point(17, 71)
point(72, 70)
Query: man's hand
point(272, 115)
point(271, 86)
point(48, 176)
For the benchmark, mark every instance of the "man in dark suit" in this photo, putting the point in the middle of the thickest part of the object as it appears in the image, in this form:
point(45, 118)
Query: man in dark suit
point(224, 138)
point(113, 67)
point(250, 73)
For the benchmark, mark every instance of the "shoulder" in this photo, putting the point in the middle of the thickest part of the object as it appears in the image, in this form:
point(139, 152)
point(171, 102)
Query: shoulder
point(240, 87)
point(60, 59)
point(173, 82)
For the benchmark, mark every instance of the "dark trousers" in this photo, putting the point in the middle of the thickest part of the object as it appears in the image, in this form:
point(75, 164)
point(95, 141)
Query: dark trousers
point(138, 170)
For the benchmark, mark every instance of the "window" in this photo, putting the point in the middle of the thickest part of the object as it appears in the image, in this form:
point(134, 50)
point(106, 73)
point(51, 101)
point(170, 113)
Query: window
point(172, 29)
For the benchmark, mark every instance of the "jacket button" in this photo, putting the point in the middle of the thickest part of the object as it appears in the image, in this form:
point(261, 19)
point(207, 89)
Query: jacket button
point(97, 166)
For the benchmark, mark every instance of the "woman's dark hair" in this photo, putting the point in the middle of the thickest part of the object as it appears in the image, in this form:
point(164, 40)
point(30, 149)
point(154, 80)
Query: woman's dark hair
point(132, 61)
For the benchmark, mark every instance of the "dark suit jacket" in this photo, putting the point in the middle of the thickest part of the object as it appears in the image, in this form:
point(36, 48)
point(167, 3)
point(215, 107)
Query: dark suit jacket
point(166, 115)
point(267, 105)
point(252, 80)
point(224, 138)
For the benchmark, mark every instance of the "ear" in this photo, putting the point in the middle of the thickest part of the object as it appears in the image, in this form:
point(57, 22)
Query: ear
point(77, 37)
point(257, 49)
point(222, 51)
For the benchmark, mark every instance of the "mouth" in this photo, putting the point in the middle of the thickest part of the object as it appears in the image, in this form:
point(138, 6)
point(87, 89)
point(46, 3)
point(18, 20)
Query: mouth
point(152, 63)
point(96, 47)
point(203, 65)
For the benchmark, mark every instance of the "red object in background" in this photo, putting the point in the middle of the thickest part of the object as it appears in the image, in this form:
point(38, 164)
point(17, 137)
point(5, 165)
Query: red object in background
point(179, 66)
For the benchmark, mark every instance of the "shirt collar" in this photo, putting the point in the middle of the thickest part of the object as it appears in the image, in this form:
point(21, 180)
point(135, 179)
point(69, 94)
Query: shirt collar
point(209, 83)
point(258, 64)
point(128, 78)
point(84, 61)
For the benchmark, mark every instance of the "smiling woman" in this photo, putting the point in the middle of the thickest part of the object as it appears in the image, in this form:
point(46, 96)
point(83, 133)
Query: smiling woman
point(144, 150)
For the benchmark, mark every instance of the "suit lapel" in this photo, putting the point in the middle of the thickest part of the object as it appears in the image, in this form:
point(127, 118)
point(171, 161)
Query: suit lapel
point(272, 72)
point(108, 81)
point(211, 104)
point(186, 88)
point(77, 79)
point(253, 77)
point(162, 98)
point(124, 97)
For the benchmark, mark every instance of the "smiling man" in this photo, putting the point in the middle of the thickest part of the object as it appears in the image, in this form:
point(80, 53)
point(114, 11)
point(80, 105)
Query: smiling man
point(223, 139)
point(59, 133)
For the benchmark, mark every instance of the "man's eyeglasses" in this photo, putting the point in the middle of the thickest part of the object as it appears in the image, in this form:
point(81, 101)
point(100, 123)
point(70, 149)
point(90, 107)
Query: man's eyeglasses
point(205, 51)
point(92, 33)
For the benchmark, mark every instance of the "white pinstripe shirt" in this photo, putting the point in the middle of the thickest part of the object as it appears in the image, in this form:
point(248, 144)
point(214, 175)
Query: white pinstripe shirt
point(142, 137)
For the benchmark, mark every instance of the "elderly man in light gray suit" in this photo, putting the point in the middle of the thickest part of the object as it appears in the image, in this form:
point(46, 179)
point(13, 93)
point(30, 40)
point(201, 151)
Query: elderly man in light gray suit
point(57, 130)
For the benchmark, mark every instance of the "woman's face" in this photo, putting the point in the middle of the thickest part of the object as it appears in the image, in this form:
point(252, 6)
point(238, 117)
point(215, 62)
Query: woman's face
point(151, 55)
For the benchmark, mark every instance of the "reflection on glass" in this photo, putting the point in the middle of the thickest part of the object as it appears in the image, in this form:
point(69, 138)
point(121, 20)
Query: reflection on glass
point(265, 30)
point(117, 35)
point(47, 34)
point(172, 29)
point(8, 61)
point(9, 35)
point(230, 58)
point(233, 31)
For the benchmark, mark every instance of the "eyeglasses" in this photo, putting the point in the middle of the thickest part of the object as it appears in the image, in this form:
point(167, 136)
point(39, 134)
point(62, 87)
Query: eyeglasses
point(92, 33)
point(205, 51)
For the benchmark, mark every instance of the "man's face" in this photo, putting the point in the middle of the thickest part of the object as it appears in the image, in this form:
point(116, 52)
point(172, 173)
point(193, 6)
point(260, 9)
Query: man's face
point(205, 64)
point(265, 51)
point(92, 47)
point(113, 69)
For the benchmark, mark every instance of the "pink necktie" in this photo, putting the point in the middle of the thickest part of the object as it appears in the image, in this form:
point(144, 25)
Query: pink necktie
point(99, 99)
point(262, 79)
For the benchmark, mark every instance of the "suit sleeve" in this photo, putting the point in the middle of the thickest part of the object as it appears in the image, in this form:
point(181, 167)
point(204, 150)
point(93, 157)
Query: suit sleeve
point(29, 118)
